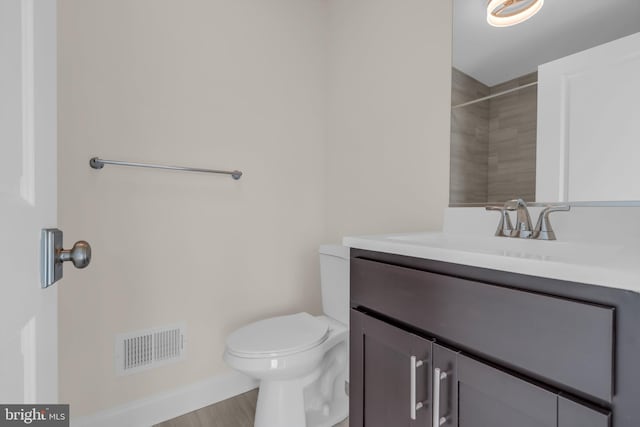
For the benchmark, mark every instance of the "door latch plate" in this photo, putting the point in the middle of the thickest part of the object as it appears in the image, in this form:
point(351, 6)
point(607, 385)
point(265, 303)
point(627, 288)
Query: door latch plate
point(50, 265)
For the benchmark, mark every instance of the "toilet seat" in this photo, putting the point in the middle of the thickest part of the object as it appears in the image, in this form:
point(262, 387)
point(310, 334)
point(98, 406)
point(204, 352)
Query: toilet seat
point(278, 336)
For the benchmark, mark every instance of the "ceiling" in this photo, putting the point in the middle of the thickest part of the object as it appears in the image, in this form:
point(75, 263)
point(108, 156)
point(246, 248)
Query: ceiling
point(494, 55)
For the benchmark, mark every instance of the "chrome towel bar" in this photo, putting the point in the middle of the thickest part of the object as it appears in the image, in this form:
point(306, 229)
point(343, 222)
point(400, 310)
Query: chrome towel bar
point(97, 163)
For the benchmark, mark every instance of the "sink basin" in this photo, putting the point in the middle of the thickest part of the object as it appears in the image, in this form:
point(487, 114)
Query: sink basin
point(559, 251)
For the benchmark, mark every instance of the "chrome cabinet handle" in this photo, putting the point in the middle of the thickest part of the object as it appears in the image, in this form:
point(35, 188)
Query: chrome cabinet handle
point(438, 376)
point(415, 406)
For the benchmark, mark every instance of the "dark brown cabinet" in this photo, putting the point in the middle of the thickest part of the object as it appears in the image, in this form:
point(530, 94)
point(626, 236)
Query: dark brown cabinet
point(402, 379)
point(395, 365)
point(572, 414)
point(555, 339)
point(490, 397)
point(474, 394)
point(414, 363)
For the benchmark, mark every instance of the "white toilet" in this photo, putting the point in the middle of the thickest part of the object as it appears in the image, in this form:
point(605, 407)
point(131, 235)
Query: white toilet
point(301, 360)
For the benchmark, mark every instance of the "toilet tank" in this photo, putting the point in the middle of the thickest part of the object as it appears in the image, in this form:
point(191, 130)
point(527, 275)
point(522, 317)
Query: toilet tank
point(334, 279)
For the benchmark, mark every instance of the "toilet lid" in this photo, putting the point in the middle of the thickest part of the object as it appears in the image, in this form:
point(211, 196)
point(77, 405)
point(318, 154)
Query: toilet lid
point(278, 335)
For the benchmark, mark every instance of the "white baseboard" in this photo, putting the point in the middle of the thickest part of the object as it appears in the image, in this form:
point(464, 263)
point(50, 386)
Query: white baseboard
point(161, 407)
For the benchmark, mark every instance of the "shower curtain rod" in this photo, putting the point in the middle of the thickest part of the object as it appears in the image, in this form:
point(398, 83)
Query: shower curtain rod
point(97, 163)
point(494, 95)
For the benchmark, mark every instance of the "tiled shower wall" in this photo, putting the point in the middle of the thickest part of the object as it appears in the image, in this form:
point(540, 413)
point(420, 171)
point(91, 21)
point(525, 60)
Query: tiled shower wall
point(512, 141)
point(469, 141)
point(493, 143)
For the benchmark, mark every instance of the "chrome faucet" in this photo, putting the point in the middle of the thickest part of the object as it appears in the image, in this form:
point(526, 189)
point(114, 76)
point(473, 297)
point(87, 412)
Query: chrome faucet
point(523, 228)
point(504, 226)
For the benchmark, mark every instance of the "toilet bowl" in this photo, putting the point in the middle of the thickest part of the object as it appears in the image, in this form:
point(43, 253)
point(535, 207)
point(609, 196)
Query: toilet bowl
point(300, 360)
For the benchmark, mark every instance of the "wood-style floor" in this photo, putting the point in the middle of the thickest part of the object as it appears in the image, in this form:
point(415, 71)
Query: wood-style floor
point(235, 412)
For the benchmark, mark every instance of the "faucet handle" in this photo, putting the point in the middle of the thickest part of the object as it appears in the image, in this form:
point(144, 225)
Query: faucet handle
point(543, 230)
point(504, 226)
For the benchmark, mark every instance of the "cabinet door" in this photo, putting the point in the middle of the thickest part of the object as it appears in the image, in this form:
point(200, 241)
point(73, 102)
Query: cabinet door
point(490, 397)
point(445, 390)
point(390, 375)
point(572, 414)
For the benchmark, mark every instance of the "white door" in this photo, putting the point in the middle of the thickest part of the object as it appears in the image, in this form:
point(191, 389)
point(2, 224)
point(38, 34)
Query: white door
point(588, 127)
point(28, 317)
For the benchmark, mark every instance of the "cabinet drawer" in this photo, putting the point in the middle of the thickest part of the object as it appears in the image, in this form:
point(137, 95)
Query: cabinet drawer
point(565, 342)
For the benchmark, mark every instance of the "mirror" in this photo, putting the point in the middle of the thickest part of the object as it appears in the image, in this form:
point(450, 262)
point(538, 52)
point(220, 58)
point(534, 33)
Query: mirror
point(496, 105)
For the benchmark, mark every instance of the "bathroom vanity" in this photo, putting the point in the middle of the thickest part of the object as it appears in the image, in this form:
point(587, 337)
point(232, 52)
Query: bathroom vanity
point(437, 342)
point(461, 328)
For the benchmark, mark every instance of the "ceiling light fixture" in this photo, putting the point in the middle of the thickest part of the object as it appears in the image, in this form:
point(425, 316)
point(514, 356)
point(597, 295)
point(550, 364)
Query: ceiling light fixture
point(505, 13)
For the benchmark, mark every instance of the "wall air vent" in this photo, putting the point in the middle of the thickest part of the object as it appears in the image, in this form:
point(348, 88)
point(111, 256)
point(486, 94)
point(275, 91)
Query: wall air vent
point(142, 350)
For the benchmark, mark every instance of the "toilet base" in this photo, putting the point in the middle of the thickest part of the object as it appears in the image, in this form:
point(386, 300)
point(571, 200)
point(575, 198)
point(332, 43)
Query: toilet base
point(338, 412)
point(281, 404)
point(316, 400)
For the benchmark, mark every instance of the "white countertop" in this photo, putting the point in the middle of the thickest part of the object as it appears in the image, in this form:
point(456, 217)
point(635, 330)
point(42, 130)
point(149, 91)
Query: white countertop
point(609, 262)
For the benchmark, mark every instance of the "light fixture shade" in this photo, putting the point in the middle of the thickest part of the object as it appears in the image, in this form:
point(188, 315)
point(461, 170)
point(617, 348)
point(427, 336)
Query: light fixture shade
point(505, 13)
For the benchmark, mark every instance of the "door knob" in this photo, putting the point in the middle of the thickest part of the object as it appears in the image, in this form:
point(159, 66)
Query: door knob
point(53, 256)
point(79, 254)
